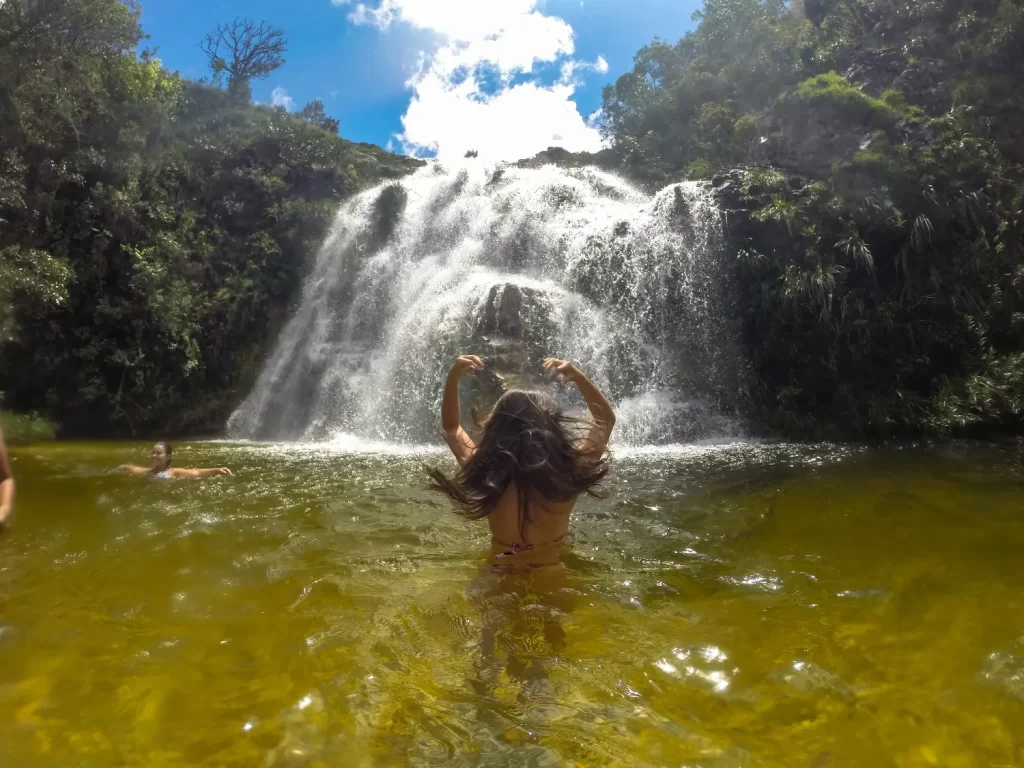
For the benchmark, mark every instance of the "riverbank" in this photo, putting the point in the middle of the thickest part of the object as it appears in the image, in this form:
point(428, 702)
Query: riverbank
point(24, 429)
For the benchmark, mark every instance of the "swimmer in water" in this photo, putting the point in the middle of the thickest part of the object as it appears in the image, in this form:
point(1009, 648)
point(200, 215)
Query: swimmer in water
point(161, 467)
point(529, 467)
point(6, 485)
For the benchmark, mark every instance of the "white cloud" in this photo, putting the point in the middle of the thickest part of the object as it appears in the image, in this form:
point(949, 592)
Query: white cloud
point(279, 98)
point(571, 67)
point(468, 93)
point(457, 20)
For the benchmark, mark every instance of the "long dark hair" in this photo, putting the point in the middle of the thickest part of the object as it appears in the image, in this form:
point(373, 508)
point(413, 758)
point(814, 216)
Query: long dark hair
point(527, 441)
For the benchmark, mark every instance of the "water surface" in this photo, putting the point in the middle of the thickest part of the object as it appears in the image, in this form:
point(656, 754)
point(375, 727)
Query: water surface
point(743, 605)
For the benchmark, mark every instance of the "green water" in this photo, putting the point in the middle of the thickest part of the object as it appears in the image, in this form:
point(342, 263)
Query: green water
point(727, 606)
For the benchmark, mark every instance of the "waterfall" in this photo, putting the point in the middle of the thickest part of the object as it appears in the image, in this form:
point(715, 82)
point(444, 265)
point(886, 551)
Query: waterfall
point(513, 265)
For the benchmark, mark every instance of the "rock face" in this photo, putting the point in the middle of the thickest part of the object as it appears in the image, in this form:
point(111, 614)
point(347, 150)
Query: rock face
point(563, 158)
point(810, 138)
point(502, 314)
point(813, 136)
point(387, 210)
point(739, 200)
point(927, 84)
point(503, 331)
point(874, 70)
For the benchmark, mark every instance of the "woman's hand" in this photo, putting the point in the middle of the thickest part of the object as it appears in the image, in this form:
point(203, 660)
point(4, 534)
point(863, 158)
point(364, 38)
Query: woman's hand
point(223, 471)
point(562, 368)
point(464, 364)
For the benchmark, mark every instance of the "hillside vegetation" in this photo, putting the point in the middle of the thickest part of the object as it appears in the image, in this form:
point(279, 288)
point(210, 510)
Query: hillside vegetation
point(869, 155)
point(152, 229)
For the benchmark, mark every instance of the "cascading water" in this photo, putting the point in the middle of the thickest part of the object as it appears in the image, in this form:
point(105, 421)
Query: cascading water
point(514, 265)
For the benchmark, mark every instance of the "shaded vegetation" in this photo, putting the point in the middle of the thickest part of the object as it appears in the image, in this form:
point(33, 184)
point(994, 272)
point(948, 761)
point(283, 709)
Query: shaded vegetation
point(875, 207)
point(152, 229)
point(22, 429)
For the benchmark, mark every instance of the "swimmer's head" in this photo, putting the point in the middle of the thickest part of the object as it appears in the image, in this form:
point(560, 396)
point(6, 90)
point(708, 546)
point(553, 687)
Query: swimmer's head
point(526, 442)
point(161, 456)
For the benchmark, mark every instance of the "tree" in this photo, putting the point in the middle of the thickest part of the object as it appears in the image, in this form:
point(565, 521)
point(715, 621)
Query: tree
point(314, 114)
point(245, 51)
point(152, 229)
point(59, 59)
point(880, 283)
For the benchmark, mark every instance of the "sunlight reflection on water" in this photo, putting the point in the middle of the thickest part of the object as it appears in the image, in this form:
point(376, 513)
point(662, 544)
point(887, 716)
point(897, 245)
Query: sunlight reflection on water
point(754, 602)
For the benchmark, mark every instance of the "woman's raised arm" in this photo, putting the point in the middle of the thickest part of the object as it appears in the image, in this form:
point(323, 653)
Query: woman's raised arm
point(462, 445)
point(600, 408)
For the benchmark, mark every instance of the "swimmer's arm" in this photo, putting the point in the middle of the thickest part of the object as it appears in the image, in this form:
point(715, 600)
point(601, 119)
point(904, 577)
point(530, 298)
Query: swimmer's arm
point(198, 474)
point(462, 444)
point(6, 485)
point(132, 470)
point(600, 409)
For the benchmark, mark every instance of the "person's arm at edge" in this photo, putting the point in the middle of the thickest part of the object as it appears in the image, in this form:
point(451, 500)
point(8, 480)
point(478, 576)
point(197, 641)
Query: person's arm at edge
point(462, 444)
point(6, 485)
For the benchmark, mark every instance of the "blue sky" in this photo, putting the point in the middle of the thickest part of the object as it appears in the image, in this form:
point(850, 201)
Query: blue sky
point(509, 75)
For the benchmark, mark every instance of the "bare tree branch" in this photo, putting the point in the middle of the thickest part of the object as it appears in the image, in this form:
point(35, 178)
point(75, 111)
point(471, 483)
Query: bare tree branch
point(245, 51)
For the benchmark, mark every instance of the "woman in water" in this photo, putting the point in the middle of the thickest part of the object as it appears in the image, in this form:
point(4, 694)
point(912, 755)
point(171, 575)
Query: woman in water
point(161, 467)
point(529, 467)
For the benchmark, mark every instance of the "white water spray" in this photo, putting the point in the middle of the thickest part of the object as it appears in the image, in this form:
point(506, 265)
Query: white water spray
point(514, 265)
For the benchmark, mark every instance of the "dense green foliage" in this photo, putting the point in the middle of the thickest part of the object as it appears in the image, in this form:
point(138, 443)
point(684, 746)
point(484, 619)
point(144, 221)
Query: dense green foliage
point(877, 221)
point(152, 229)
point(22, 428)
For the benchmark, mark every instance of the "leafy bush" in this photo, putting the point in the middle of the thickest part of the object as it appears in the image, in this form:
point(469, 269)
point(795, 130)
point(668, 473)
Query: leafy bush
point(22, 429)
point(764, 179)
point(993, 395)
point(699, 169)
point(855, 103)
point(884, 291)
